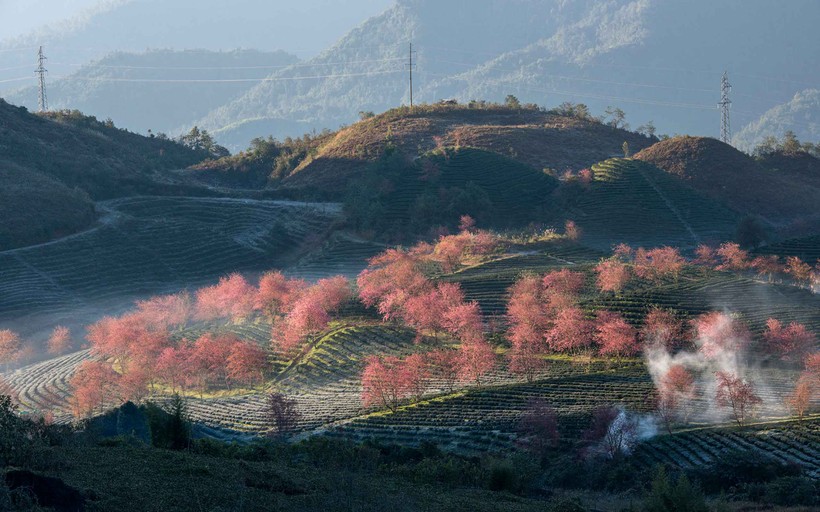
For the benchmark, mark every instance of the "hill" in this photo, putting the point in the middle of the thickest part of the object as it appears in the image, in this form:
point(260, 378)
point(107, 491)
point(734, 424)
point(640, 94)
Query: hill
point(421, 168)
point(631, 202)
point(55, 164)
point(724, 173)
point(801, 115)
point(36, 208)
point(159, 90)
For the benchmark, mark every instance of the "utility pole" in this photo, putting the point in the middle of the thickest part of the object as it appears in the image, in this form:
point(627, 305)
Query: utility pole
point(725, 103)
point(41, 72)
point(410, 66)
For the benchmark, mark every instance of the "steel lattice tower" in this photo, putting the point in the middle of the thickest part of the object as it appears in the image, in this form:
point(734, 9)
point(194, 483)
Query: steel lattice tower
point(725, 103)
point(41, 73)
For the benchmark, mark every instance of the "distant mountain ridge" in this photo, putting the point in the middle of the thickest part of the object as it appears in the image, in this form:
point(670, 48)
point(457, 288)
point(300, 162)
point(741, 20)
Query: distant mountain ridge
point(639, 55)
point(657, 60)
point(305, 27)
point(801, 115)
point(160, 90)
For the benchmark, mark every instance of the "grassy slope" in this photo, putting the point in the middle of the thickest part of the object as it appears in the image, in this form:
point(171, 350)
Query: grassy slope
point(36, 208)
point(724, 173)
point(538, 139)
point(635, 203)
point(46, 157)
point(166, 480)
point(806, 248)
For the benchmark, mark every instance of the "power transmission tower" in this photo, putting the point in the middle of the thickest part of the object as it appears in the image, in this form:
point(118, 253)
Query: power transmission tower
point(410, 67)
point(41, 72)
point(725, 103)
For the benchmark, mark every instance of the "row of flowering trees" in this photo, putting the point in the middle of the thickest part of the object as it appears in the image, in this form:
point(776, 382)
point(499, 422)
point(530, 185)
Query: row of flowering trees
point(614, 273)
point(544, 315)
point(141, 350)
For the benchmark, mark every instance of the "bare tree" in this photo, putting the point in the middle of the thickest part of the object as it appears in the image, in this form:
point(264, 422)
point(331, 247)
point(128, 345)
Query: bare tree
point(282, 414)
point(738, 394)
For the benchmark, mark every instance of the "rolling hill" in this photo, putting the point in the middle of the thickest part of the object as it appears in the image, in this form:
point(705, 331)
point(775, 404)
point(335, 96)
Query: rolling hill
point(784, 195)
point(55, 164)
point(416, 169)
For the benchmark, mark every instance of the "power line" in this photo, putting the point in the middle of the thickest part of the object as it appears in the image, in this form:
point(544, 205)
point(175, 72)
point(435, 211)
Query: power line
point(205, 68)
point(228, 80)
point(15, 79)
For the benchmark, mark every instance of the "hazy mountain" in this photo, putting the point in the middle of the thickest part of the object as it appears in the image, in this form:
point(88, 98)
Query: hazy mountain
point(161, 90)
point(801, 115)
point(304, 28)
point(659, 61)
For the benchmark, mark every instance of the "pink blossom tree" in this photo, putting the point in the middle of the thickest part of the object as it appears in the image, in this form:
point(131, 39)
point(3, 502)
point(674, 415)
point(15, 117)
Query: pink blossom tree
point(246, 363)
point(615, 336)
point(232, 297)
point(9, 346)
point(570, 331)
point(476, 359)
point(732, 257)
point(612, 275)
point(792, 342)
point(60, 340)
point(662, 328)
point(383, 382)
point(718, 333)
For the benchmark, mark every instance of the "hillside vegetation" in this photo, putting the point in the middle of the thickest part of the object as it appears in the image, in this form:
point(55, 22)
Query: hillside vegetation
point(800, 115)
point(782, 195)
point(406, 171)
point(53, 165)
point(36, 208)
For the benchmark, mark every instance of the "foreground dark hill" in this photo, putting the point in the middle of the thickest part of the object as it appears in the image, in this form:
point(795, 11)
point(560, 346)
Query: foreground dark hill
point(781, 188)
point(54, 165)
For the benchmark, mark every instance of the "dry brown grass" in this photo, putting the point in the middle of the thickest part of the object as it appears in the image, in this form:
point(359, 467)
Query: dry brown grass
point(538, 139)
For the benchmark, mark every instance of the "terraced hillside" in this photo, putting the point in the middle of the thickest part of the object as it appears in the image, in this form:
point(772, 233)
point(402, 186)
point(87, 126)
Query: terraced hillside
point(539, 139)
point(787, 443)
point(145, 245)
point(724, 173)
point(398, 198)
point(635, 203)
point(52, 166)
point(535, 138)
point(696, 291)
point(806, 248)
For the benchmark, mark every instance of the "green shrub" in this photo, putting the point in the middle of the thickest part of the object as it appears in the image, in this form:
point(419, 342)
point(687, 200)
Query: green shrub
point(169, 430)
point(793, 491)
point(667, 495)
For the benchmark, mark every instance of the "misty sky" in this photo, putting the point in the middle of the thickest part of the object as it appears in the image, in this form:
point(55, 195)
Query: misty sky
point(18, 17)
